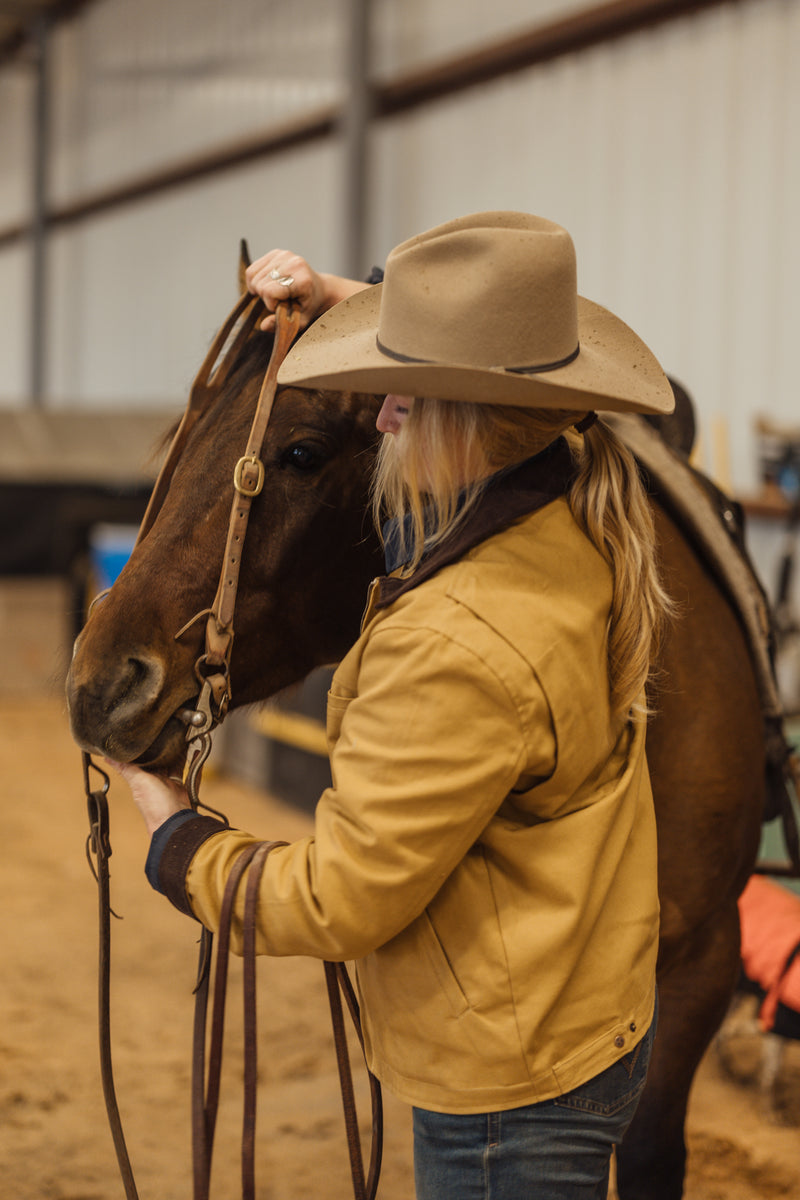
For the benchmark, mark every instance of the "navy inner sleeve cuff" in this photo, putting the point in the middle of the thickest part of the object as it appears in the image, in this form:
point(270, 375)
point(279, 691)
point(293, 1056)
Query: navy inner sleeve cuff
point(159, 841)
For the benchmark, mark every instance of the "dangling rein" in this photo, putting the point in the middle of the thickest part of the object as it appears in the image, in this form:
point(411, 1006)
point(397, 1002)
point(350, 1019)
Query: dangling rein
point(213, 673)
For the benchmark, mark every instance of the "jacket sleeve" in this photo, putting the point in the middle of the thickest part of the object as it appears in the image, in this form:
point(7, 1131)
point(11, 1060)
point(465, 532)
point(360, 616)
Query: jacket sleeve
point(428, 750)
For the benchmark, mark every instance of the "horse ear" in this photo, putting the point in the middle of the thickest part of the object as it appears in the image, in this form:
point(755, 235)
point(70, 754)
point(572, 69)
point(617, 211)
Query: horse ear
point(244, 263)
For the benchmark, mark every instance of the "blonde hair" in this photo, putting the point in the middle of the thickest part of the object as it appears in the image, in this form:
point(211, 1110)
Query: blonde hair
point(431, 474)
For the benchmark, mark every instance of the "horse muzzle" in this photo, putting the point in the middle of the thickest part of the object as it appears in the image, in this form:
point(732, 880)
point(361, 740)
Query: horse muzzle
point(126, 710)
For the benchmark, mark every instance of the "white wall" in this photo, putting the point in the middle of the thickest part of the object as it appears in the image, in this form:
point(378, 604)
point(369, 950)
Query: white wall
point(138, 293)
point(672, 158)
point(14, 326)
point(16, 124)
point(410, 34)
point(141, 83)
point(670, 155)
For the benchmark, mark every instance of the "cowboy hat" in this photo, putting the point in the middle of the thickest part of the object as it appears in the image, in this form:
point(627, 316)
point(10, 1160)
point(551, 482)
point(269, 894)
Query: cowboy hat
point(484, 308)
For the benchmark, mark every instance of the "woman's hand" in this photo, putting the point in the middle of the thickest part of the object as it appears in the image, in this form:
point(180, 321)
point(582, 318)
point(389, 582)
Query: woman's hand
point(156, 796)
point(310, 291)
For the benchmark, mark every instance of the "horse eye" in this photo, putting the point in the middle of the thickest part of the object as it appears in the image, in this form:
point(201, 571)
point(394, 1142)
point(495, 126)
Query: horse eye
point(303, 457)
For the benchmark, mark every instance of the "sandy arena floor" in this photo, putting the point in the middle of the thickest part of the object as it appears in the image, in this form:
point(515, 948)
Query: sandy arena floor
point(54, 1139)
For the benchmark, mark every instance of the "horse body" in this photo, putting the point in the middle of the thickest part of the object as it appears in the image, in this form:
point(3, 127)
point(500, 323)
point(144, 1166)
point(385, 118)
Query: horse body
point(310, 554)
point(705, 750)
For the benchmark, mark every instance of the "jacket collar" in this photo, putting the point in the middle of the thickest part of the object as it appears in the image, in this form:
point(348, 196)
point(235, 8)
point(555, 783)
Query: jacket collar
point(509, 495)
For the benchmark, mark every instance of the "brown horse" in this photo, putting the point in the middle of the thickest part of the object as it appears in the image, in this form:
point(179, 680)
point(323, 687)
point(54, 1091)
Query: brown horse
point(309, 555)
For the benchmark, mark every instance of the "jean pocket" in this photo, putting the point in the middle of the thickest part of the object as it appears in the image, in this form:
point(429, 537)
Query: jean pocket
point(614, 1089)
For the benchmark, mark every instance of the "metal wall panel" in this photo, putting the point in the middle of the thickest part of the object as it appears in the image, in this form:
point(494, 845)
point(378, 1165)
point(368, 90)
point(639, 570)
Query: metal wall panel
point(143, 84)
point(16, 134)
point(672, 157)
point(410, 34)
point(15, 303)
point(137, 294)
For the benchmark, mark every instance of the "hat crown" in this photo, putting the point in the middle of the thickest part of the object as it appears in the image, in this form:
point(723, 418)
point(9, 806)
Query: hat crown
point(484, 310)
point(496, 290)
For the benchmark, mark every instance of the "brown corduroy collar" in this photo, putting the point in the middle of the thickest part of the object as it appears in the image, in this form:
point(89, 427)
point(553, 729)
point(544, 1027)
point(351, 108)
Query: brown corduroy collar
point(508, 496)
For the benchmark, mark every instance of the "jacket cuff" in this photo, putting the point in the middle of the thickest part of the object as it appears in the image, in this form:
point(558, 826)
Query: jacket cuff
point(172, 849)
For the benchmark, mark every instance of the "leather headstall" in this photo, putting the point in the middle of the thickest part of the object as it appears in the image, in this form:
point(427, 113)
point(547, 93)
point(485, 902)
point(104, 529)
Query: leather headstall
point(213, 666)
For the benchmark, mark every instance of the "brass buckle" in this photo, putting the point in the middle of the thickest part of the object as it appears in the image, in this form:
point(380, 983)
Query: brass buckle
point(241, 487)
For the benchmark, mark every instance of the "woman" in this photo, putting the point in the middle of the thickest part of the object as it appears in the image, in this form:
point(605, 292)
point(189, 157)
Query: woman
point(487, 850)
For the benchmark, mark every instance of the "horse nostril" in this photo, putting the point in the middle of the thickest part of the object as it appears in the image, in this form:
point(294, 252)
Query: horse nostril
point(137, 683)
point(139, 670)
point(116, 700)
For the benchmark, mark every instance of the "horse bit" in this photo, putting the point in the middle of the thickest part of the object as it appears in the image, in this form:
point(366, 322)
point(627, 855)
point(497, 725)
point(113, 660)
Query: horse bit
point(213, 674)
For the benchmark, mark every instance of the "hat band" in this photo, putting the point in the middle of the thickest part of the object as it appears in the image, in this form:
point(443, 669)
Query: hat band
point(430, 362)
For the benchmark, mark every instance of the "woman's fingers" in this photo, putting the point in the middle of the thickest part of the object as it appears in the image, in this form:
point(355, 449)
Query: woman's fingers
point(280, 276)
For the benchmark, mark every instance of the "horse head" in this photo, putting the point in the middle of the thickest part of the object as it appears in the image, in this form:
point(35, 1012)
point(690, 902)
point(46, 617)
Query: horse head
point(134, 664)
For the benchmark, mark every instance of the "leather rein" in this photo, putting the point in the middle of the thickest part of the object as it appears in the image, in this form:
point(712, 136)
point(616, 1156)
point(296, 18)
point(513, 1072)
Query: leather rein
point(213, 674)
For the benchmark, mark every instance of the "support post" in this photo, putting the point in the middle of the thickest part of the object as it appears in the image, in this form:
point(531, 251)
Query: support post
point(38, 234)
point(355, 129)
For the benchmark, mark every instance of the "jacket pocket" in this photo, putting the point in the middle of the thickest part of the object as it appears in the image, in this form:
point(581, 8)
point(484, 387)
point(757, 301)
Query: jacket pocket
point(441, 966)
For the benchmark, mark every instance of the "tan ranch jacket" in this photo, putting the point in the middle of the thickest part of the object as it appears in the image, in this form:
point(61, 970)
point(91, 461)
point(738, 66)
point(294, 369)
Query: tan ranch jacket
point(487, 851)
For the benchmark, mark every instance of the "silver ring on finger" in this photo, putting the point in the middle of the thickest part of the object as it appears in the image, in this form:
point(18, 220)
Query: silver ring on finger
point(285, 280)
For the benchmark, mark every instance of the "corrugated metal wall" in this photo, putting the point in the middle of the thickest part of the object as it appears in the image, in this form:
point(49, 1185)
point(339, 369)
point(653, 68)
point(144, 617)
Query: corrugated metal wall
point(672, 158)
point(410, 34)
point(144, 82)
point(16, 127)
point(670, 155)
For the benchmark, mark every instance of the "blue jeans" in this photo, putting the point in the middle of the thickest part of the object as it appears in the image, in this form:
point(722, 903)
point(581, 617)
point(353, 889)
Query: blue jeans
point(556, 1150)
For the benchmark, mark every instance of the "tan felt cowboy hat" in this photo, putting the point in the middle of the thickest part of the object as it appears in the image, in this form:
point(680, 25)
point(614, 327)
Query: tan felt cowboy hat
point(484, 308)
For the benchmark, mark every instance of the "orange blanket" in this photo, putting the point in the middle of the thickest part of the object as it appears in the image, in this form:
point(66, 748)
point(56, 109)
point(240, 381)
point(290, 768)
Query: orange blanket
point(770, 920)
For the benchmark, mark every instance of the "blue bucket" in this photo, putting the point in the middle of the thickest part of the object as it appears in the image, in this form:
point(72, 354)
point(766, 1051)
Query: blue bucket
point(110, 548)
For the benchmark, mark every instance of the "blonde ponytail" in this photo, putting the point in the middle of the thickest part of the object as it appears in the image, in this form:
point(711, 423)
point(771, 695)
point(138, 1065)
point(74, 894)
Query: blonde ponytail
point(609, 503)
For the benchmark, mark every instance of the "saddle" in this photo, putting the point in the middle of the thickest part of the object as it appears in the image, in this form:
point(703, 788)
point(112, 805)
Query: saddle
point(714, 524)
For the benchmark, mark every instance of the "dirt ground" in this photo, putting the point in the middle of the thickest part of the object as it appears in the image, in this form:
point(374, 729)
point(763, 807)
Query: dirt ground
point(54, 1139)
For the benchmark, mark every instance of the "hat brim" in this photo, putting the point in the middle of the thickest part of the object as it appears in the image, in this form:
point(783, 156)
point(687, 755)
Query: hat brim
point(614, 369)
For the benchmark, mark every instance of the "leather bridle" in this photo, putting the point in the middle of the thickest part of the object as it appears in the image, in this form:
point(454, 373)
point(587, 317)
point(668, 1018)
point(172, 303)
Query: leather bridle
point(213, 666)
point(213, 673)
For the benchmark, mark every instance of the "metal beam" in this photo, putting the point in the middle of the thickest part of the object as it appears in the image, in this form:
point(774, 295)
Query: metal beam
point(543, 43)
